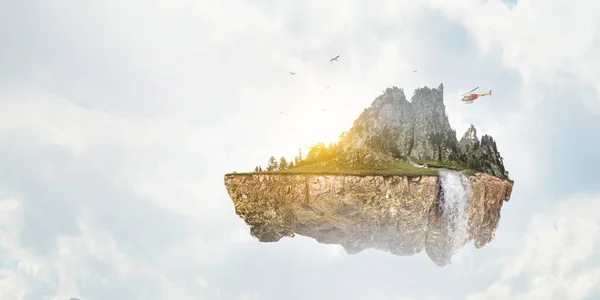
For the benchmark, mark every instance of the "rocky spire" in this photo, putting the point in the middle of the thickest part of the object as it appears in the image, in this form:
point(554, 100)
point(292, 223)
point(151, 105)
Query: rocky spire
point(419, 129)
point(484, 156)
point(386, 126)
point(433, 138)
point(469, 142)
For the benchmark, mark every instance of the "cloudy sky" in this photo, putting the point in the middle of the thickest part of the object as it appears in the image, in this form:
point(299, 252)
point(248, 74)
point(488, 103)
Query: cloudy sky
point(118, 120)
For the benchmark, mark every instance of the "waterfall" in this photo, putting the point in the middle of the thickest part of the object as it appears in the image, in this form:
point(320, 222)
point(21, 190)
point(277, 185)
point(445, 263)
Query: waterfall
point(454, 205)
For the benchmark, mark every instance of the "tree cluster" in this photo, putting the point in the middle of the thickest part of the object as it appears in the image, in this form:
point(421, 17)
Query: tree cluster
point(320, 153)
point(317, 153)
point(282, 164)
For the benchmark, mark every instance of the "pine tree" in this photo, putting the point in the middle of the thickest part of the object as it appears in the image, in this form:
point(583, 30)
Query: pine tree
point(273, 165)
point(283, 163)
point(260, 169)
point(291, 165)
point(298, 158)
point(256, 170)
point(317, 153)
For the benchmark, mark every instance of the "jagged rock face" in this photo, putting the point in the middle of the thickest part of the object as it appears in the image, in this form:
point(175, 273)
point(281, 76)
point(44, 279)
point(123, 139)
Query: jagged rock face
point(386, 126)
point(485, 213)
point(433, 138)
point(469, 142)
point(398, 214)
point(419, 129)
point(483, 156)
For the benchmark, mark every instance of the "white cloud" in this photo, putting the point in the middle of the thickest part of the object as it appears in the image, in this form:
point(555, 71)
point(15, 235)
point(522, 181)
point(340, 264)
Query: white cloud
point(253, 296)
point(89, 262)
point(539, 52)
point(124, 105)
point(165, 160)
point(558, 259)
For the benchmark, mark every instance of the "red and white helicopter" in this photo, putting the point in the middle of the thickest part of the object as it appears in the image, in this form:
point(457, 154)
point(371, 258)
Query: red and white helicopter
point(468, 97)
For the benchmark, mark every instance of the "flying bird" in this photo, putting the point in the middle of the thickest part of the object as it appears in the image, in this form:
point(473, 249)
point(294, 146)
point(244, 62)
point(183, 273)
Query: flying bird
point(292, 73)
point(335, 58)
point(414, 71)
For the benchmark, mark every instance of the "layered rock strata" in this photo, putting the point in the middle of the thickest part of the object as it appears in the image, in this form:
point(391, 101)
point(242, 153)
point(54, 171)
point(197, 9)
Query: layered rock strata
point(398, 214)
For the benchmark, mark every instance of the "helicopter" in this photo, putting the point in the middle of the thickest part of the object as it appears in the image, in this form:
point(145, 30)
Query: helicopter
point(468, 97)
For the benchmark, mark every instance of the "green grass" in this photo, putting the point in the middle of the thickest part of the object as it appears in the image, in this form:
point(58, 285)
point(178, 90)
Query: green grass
point(448, 165)
point(443, 164)
point(469, 172)
point(399, 168)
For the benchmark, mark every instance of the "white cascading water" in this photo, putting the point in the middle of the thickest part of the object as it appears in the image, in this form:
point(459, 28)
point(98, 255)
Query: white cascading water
point(454, 206)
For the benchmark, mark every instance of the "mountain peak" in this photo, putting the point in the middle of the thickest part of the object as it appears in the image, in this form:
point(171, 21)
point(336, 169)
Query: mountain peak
point(470, 134)
point(419, 130)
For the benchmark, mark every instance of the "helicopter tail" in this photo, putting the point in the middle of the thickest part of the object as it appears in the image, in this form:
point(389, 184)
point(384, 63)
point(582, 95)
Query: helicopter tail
point(486, 94)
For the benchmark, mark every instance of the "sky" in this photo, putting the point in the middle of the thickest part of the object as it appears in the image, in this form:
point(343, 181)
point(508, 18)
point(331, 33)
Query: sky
point(118, 120)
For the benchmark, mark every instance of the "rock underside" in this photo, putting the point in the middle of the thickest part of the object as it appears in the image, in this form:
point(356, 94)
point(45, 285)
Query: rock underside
point(398, 214)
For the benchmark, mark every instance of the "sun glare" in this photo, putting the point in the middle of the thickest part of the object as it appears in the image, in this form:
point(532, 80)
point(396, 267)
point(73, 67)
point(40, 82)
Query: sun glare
point(320, 126)
point(317, 108)
point(306, 127)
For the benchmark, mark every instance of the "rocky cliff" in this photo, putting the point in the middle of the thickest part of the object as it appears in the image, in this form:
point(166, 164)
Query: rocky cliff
point(420, 130)
point(482, 156)
point(398, 214)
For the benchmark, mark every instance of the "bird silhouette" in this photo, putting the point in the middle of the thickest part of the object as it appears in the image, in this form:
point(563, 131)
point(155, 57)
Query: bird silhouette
point(335, 58)
point(292, 73)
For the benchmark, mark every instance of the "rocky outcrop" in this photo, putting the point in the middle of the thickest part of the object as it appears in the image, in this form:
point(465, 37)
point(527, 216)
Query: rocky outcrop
point(398, 214)
point(384, 127)
point(433, 138)
point(468, 143)
point(417, 129)
point(482, 156)
point(420, 130)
